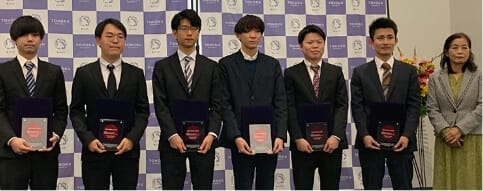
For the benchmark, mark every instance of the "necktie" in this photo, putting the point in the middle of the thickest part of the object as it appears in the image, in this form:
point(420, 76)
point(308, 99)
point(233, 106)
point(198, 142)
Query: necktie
point(315, 81)
point(386, 78)
point(30, 78)
point(188, 73)
point(111, 81)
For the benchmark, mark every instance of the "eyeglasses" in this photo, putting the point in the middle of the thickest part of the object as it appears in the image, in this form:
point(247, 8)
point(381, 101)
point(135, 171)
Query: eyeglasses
point(187, 28)
point(110, 37)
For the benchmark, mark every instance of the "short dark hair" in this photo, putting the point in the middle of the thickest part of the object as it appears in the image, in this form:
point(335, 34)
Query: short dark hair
point(310, 29)
point(100, 27)
point(248, 23)
point(24, 25)
point(470, 63)
point(189, 14)
point(380, 23)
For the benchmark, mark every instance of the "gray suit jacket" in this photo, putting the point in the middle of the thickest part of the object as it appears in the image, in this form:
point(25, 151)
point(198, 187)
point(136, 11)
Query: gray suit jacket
point(444, 111)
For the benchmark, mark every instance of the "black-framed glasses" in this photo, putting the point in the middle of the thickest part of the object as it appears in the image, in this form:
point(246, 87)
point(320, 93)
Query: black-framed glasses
point(187, 28)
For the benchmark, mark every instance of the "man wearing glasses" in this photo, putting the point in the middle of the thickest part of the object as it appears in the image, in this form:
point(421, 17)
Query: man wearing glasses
point(186, 76)
point(113, 81)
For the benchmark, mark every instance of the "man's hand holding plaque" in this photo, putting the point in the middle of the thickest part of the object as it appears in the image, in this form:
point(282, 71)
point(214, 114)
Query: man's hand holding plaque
point(193, 134)
point(260, 138)
point(111, 133)
point(388, 134)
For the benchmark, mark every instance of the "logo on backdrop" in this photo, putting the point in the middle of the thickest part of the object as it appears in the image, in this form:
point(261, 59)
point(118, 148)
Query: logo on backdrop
point(155, 44)
point(231, 3)
point(336, 23)
point(37, 16)
point(356, 3)
point(357, 45)
point(62, 186)
point(60, 44)
point(274, 3)
point(63, 141)
point(132, 21)
point(211, 22)
point(295, 23)
point(279, 178)
point(84, 21)
point(8, 44)
point(315, 3)
point(217, 157)
point(155, 137)
point(275, 45)
point(157, 183)
point(233, 44)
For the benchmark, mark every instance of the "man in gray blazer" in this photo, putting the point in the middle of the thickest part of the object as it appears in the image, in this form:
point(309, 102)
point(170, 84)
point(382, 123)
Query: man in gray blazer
point(374, 82)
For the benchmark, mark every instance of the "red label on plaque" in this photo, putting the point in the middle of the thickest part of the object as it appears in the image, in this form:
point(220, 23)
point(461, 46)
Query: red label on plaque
point(260, 135)
point(388, 131)
point(33, 130)
point(192, 132)
point(110, 132)
point(316, 133)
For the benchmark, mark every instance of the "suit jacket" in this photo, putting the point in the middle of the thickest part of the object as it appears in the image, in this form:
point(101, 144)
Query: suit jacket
point(88, 86)
point(49, 83)
point(267, 89)
point(332, 89)
point(170, 84)
point(403, 89)
point(446, 111)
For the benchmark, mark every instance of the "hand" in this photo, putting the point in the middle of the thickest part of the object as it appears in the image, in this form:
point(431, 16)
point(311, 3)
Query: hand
point(331, 144)
point(277, 146)
point(53, 140)
point(370, 143)
point(401, 144)
point(452, 135)
point(20, 146)
point(457, 144)
point(96, 146)
point(124, 146)
point(206, 144)
point(177, 143)
point(243, 147)
point(303, 145)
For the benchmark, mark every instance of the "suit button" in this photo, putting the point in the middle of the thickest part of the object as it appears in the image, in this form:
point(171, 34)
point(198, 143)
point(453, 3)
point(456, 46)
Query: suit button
point(454, 110)
point(253, 98)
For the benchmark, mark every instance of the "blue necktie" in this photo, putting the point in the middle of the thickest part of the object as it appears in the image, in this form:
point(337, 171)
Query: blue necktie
point(30, 78)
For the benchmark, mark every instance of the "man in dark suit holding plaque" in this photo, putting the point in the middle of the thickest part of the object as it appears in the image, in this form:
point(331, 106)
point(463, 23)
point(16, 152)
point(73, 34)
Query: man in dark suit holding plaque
point(109, 112)
point(181, 83)
point(314, 82)
point(26, 77)
point(385, 107)
point(252, 82)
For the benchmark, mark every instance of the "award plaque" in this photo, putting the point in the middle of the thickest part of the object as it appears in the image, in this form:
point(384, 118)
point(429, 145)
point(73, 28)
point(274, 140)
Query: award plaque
point(111, 133)
point(260, 138)
point(388, 133)
point(34, 131)
point(316, 134)
point(193, 134)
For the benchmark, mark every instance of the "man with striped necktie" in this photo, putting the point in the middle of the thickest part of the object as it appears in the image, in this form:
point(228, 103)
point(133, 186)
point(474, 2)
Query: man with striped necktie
point(21, 166)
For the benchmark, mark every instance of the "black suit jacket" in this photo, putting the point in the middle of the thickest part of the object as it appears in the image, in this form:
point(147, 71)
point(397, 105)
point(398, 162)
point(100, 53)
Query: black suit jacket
point(170, 84)
point(332, 89)
point(49, 83)
point(88, 86)
point(267, 88)
point(366, 89)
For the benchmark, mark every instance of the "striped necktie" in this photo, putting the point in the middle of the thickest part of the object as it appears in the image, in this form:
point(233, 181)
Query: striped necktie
point(315, 81)
point(188, 73)
point(386, 78)
point(29, 78)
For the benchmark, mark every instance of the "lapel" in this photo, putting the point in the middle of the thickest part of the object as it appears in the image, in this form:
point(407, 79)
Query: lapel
point(324, 79)
point(175, 66)
point(96, 74)
point(301, 70)
point(374, 78)
point(17, 71)
point(41, 71)
point(467, 79)
point(125, 75)
point(443, 79)
point(395, 75)
point(242, 67)
point(198, 70)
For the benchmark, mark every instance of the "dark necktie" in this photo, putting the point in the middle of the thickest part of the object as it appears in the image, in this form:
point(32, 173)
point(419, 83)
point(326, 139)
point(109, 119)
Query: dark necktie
point(111, 81)
point(386, 78)
point(29, 78)
point(315, 81)
point(188, 73)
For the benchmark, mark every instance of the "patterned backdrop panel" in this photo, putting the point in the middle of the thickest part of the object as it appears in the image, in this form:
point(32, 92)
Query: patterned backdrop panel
point(69, 42)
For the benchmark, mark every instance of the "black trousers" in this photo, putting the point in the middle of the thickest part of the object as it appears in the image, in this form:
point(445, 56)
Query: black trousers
point(399, 165)
point(173, 169)
point(304, 165)
point(35, 169)
point(96, 173)
point(260, 166)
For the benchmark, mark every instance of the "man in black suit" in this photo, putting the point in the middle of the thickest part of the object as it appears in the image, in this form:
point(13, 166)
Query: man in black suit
point(186, 75)
point(20, 165)
point(109, 78)
point(316, 82)
point(385, 80)
point(251, 78)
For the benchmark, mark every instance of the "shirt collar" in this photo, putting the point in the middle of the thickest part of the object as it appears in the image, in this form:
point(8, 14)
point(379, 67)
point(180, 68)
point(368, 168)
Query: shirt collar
point(181, 55)
point(104, 63)
point(379, 62)
point(22, 60)
point(308, 64)
point(248, 57)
